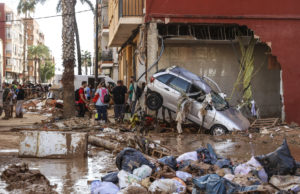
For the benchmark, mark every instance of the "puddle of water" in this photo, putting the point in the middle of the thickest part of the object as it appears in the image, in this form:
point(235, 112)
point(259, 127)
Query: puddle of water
point(72, 176)
point(9, 151)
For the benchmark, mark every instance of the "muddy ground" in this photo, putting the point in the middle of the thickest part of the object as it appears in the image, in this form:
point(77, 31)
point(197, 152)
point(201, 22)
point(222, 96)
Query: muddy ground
point(73, 176)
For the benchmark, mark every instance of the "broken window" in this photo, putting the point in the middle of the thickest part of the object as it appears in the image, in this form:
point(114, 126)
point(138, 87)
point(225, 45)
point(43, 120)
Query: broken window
point(179, 84)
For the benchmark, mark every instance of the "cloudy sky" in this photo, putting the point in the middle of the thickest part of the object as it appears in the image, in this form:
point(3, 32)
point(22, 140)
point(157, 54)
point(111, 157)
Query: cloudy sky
point(52, 27)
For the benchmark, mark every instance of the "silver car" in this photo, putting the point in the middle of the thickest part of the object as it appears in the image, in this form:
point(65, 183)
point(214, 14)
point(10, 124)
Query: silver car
point(167, 86)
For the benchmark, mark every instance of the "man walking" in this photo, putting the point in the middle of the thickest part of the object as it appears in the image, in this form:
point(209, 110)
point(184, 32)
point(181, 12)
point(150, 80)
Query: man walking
point(82, 100)
point(20, 101)
point(7, 96)
point(88, 92)
point(119, 93)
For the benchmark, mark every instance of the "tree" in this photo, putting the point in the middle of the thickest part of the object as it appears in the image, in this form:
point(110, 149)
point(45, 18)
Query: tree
point(47, 71)
point(37, 53)
point(26, 7)
point(58, 9)
point(86, 60)
point(68, 47)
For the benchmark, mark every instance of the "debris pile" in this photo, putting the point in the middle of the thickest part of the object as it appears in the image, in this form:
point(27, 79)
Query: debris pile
point(30, 181)
point(200, 171)
point(47, 107)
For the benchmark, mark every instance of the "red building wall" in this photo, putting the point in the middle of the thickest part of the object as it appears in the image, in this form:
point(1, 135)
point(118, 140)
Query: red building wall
point(274, 21)
point(2, 32)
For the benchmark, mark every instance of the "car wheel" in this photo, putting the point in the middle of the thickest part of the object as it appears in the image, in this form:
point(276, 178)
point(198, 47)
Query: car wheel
point(218, 130)
point(154, 101)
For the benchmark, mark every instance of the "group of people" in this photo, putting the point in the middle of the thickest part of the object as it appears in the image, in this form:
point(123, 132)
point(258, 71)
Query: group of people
point(120, 96)
point(13, 95)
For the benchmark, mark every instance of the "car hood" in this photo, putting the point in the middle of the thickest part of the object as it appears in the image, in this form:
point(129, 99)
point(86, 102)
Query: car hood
point(234, 119)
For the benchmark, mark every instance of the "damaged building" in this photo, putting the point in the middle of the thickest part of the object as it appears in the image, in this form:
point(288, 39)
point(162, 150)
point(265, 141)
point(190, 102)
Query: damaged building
point(205, 37)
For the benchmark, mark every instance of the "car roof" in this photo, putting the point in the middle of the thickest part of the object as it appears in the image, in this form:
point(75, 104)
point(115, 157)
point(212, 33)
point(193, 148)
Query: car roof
point(193, 78)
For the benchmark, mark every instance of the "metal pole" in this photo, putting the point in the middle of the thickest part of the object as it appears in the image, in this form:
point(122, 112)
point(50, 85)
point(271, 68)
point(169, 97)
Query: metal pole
point(96, 44)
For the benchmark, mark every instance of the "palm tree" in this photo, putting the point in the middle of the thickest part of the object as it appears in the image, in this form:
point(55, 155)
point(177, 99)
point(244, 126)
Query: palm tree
point(37, 54)
point(68, 21)
point(86, 59)
point(58, 9)
point(26, 7)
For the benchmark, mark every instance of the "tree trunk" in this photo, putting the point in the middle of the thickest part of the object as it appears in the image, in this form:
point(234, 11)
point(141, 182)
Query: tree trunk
point(68, 47)
point(24, 49)
point(100, 142)
point(35, 64)
point(78, 47)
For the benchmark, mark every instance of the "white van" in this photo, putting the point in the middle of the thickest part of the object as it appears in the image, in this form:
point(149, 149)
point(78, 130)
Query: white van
point(90, 79)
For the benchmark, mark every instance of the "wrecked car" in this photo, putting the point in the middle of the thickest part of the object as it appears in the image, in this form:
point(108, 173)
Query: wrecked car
point(167, 87)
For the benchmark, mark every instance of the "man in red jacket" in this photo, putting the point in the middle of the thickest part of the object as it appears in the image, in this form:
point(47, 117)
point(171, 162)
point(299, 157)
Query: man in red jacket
point(82, 100)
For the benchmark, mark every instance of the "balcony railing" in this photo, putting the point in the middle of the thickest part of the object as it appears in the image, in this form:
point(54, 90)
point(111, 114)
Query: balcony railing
point(107, 56)
point(131, 8)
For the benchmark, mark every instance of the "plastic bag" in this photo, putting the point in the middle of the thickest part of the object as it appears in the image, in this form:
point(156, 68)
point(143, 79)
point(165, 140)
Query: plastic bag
point(279, 162)
point(163, 185)
point(223, 163)
point(111, 177)
point(142, 172)
point(183, 175)
point(126, 179)
point(214, 184)
point(98, 187)
point(180, 185)
point(188, 156)
point(252, 165)
point(130, 159)
point(169, 161)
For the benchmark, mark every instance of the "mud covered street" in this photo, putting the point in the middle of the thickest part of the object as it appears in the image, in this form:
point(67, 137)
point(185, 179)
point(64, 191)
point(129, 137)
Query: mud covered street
point(76, 175)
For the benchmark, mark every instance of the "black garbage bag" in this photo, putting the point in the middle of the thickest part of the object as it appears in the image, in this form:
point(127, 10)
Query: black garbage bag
point(111, 177)
point(129, 159)
point(207, 155)
point(223, 163)
point(279, 162)
point(214, 184)
point(169, 161)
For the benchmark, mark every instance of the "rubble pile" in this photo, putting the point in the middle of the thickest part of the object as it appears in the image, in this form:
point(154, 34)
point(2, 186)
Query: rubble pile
point(201, 171)
point(45, 107)
point(29, 181)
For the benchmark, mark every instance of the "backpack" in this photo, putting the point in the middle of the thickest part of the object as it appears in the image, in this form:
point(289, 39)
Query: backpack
point(106, 98)
point(77, 95)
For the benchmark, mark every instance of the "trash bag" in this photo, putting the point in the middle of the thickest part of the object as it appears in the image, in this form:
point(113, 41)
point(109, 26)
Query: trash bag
point(129, 159)
point(126, 179)
point(223, 163)
point(252, 165)
point(183, 175)
point(111, 177)
point(163, 185)
point(188, 156)
point(279, 162)
point(142, 172)
point(207, 155)
point(180, 185)
point(98, 187)
point(169, 161)
point(214, 184)
point(183, 164)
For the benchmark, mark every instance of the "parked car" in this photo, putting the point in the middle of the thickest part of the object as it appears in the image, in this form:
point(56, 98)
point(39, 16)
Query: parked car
point(167, 86)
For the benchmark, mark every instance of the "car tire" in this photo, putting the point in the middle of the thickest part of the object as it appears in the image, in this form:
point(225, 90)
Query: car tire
point(154, 101)
point(218, 130)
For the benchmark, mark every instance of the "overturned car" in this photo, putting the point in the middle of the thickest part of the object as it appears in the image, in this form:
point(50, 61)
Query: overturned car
point(167, 87)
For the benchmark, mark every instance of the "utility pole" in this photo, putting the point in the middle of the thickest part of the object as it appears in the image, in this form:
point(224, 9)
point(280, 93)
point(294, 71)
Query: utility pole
point(96, 44)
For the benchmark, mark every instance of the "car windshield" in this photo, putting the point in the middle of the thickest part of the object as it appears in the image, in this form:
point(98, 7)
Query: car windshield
point(219, 103)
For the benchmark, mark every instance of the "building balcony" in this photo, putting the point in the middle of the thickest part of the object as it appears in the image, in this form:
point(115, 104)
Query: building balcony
point(106, 56)
point(124, 17)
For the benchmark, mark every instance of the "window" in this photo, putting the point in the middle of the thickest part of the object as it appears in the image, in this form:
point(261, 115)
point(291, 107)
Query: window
point(9, 17)
point(179, 84)
point(219, 103)
point(8, 48)
point(8, 33)
point(164, 78)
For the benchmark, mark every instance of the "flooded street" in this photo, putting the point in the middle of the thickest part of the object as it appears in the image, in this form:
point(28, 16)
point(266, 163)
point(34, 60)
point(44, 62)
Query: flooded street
point(73, 176)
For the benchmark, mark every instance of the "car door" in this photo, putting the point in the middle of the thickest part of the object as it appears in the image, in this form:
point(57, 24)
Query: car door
point(197, 105)
point(161, 86)
point(177, 87)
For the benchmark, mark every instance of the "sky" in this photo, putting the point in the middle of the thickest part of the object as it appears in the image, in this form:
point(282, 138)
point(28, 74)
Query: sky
point(52, 27)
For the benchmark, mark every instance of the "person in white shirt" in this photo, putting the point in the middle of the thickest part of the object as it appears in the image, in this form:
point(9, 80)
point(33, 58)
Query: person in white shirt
point(101, 106)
